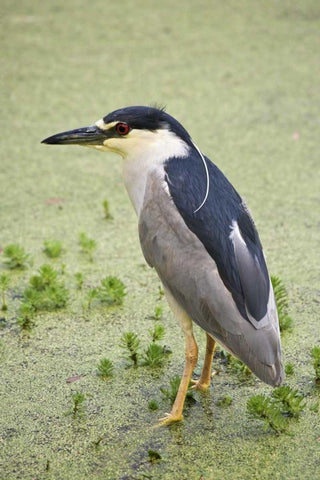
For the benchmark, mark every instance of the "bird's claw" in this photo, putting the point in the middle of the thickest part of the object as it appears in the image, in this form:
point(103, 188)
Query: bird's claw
point(169, 418)
point(198, 385)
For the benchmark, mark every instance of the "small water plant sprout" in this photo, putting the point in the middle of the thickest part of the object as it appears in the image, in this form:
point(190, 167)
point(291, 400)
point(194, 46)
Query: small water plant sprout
point(315, 407)
point(154, 355)
point(292, 401)
point(4, 284)
point(46, 291)
point(277, 410)
point(15, 257)
point(282, 302)
point(112, 291)
point(78, 400)
point(265, 409)
point(157, 333)
point(234, 365)
point(26, 316)
point(315, 354)
point(106, 209)
point(171, 392)
point(158, 312)
point(91, 295)
point(130, 344)
point(88, 245)
point(153, 405)
point(79, 280)
point(289, 369)
point(160, 292)
point(52, 248)
point(225, 401)
point(105, 368)
point(154, 456)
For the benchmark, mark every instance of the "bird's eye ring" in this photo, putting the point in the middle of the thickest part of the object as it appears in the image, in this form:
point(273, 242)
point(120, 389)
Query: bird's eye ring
point(122, 128)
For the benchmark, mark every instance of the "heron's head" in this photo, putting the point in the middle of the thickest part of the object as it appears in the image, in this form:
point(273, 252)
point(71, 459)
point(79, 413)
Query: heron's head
point(130, 132)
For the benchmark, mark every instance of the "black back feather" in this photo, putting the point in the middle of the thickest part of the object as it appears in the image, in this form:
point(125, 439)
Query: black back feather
point(212, 225)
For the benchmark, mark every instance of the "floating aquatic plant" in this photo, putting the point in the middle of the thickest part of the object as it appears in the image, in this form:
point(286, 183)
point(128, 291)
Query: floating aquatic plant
point(171, 392)
point(292, 401)
point(315, 354)
point(160, 292)
point(79, 280)
point(265, 409)
point(78, 400)
point(105, 368)
point(52, 248)
point(153, 405)
point(15, 257)
point(91, 295)
point(157, 333)
point(88, 245)
point(282, 302)
point(26, 316)
point(158, 311)
point(289, 369)
point(4, 284)
point(46, 290)
point(130, 344)
point(154, 456)
point(276, 411)
point(112, 291)
point(225, 401)
point(154, 355)
point(106, 209)
point(234, 365)
point(238, 367)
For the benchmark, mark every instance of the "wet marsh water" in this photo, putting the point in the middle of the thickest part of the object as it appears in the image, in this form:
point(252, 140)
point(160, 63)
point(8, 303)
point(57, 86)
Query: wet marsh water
point(243, 79)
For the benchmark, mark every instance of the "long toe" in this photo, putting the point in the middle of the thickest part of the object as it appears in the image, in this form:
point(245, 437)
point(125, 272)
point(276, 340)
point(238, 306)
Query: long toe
point(169, 418)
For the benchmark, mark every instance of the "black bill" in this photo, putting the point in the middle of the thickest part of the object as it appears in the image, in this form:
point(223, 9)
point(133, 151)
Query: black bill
point(81, 136)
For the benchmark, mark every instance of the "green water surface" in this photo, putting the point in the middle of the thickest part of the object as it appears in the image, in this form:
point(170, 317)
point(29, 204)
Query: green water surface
point(243, 77)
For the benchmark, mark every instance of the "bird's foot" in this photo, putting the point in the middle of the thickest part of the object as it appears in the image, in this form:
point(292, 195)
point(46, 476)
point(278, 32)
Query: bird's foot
point(169, 418)
point(199, 385)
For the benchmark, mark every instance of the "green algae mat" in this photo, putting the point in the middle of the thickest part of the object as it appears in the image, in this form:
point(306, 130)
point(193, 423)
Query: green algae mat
point(243, 78)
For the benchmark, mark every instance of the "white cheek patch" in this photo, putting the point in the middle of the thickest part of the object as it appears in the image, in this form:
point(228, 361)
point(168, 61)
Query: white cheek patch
point(155, 146)
point(113, 144)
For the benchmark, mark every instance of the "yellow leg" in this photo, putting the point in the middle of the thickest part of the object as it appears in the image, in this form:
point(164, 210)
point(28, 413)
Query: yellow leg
point(191, 359)
point(191, 354)
point(204, 381)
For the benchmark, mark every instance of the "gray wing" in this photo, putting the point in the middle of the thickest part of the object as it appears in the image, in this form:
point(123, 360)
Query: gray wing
point(191, 275)
point(225, 227)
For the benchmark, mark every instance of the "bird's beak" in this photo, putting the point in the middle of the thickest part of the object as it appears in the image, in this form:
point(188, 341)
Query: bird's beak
point(81, 136)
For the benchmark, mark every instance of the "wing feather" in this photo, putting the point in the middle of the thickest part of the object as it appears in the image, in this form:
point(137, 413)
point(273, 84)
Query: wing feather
point(192, 276)
point(239, 258)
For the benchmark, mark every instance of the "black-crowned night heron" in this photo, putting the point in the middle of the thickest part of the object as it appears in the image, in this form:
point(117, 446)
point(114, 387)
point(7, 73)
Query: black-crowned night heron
point(198, 234)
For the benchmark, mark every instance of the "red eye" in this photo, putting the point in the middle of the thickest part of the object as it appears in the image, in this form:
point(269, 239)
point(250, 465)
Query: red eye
point(122, 128)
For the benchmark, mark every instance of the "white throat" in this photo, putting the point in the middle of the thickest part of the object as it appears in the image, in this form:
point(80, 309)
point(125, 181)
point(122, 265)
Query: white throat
point(145, 150)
